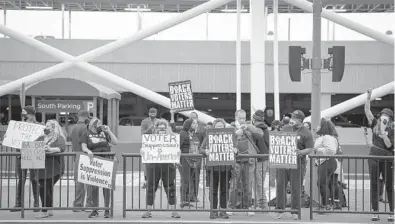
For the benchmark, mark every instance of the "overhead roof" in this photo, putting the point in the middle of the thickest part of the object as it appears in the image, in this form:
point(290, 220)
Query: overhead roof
point(346, 6)
point(69, 87)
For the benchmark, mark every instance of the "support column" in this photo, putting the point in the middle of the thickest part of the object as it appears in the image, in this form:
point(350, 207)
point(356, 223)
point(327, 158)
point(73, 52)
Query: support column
point(9, 108)
point(5, 19)
point(95, 106)
point(109, 113)
point(69, 24)
point(257, 51)
point(62, 21)
point(276, 88)
point(101, 108)
point(114, 114)
point(326, 101)
point(238, 57)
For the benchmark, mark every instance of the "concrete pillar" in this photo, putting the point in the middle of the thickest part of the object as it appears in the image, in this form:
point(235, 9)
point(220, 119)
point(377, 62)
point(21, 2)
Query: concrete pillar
point(95, 106)
point(114, 114)
point(326, 101)
point(9, 108)
point(257, 51)
point(101, 106)
point(109, 113)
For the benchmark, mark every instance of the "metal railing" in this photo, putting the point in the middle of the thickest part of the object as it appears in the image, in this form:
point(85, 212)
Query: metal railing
point(352, 195)
point(12, 176)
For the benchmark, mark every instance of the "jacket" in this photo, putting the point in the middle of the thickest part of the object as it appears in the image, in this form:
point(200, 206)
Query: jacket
point(249, 137)
point(185, 142)
point(263, 143)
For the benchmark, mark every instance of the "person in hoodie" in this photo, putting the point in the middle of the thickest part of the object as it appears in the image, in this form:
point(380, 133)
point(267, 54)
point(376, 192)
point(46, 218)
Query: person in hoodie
point(190, 140)
point(246, 135)
point(262, 165)
point(219, 178)
point(161, 171)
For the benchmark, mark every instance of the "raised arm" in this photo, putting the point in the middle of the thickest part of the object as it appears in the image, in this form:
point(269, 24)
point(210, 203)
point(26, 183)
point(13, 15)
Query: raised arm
point(368, 112)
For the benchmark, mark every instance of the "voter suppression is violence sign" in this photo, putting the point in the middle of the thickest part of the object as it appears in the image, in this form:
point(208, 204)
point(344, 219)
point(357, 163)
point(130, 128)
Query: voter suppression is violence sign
point(220, 146)
point(282, 152)
point(70, 106)
point(95, 171)
point(33, 155)
point(160, 148)
point(18, 131)
point(181, 96)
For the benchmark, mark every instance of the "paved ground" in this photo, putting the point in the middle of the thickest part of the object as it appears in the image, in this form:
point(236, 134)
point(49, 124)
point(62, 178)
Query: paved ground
point(135, 199)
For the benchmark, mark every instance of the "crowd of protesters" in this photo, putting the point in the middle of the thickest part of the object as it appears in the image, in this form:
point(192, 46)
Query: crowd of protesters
point(240, 186)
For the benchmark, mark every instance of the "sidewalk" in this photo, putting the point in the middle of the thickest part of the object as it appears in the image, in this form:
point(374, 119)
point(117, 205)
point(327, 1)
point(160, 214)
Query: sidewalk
point(192, 215)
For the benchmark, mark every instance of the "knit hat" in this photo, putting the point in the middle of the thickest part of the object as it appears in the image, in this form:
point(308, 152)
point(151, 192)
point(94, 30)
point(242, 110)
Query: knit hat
point(30, 110)
point(298, 114)
point(259, 115)
point(388, 112)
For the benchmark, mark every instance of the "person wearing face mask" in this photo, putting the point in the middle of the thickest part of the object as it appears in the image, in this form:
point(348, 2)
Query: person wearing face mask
point(28, 115)
point(76, 136)
point(246, 135)
point(161, 171)
point(382, 145)
point(190, 141)
point(55, 142)
point(305, 145)
point(147, 127)
point(98, 138)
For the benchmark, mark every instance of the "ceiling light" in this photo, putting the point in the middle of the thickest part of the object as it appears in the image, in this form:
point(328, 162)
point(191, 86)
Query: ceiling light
point(215, 98)
point(378, 98)
point(233, 10)
point(39, 7)
point(137, 9)
point(209, 110)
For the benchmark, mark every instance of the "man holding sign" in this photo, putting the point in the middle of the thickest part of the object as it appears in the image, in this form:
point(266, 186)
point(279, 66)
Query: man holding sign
point(28, 115)
point(294, 169)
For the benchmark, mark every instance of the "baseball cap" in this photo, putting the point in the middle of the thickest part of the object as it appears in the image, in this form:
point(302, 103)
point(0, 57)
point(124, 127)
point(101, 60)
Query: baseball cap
point(298, 114)
point(83, 113)
point(30, 110)
point(388, 112)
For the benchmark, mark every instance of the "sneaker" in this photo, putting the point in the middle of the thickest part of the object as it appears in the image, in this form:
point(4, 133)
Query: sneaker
point(230, 213)
point(36, 205)
point(146, 215)
point(107, 214)
point(250, 213)
point(390, 218)
point(16, 208)
point(94, 214)
point(223, 215)
point(375, 218)
point(50, 213)
point(213, 215)
point(42, 215)
point(295, 217)
point(175, 215)
point(186, 204)
point(279, 215)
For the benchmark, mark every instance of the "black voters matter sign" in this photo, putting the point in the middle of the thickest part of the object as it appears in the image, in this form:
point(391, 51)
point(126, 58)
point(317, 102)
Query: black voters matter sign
point(181, 96)
point(220, 147)
point(282, 153)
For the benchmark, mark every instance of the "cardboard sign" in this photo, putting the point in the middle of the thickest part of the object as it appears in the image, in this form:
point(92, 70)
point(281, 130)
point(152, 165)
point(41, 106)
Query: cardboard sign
point(161, 148)
point(95, 171)
point(33, 155)
point(70, 106)
point(220, 147)
point(282, 152)
point(181, 96)
point(18, 132)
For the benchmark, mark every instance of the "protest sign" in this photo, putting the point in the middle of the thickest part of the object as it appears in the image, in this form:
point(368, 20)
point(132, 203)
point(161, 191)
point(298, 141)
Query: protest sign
point(19, 131)
point(220, 147)
point(181, 96)
point(282, 152)
point(33, 155)
point(95, 171)
point(161, 148)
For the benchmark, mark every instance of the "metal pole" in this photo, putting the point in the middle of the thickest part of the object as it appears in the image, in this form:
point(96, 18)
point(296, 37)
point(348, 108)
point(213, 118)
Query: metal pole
point(238, 58)
point(307, 6)
point(69, 23)
point(139, 22)
point(275, 63)
point(5, 19)
point(334, 32)
point(356, 101)
point(327, 30)
point(207, 14)
point(289, 28)
point(62, 21)
point(316, 66)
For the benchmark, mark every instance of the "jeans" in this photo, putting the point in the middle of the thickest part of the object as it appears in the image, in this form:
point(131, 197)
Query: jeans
point(241, 172)
point(325, 173)
point(46, 191)
point(156, 172)
point(94, 192)
point(283, 177)
point(21, 175)
point(189, 181)
point(80, 190)
point(386, 169)
point(334, 188)
point(258, 180)
point(219, 180)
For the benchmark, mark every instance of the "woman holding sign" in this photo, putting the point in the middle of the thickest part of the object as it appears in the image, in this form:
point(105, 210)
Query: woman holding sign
point(96, 139)
point(219, 178)
point(55, 142)
point(164, 171)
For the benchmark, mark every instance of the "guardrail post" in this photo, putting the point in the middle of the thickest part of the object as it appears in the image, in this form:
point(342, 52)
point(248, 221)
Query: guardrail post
point(22, 194)
point(311, 188)
point(124, 187)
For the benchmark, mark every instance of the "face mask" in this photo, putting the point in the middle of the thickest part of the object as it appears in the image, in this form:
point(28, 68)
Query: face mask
point(24, 116)
point(47, 131)
point(86, 121)
point(99, 129)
